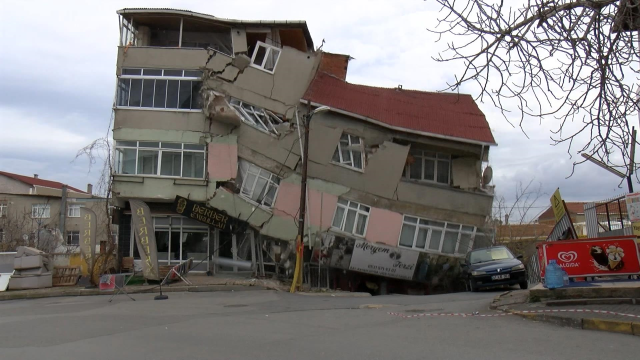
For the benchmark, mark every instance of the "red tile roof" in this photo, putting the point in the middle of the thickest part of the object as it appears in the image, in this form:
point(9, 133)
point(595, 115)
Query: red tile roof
point(439, 114)
point(38, 182)
point(573, 207)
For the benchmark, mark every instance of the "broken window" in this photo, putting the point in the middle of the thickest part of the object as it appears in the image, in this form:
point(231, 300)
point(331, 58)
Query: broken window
point(436, 236)
point(257, 184)
point(265, 57)
point(160, 159)
point(349, 152)
point(159, 89)
point(351, 217)
point(41, 211)
point(428, 166)
point(257, 117)
point(73, 238)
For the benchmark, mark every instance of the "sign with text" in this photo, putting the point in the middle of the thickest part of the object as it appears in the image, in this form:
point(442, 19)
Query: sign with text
point(593, 257)
point(145, 238)
point(88, 236)
point(633, 206)
point(205, 214)
point(383, 260)
point(557, 205)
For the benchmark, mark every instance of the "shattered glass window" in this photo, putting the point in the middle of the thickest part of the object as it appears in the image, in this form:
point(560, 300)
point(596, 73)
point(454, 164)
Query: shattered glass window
point(349, 152)
point(257, 117)
point(257, 184)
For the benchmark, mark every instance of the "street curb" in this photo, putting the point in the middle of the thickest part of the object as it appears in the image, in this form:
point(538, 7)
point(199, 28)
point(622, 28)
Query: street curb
point(614, 326)
point(582, 302)
point(338, 294)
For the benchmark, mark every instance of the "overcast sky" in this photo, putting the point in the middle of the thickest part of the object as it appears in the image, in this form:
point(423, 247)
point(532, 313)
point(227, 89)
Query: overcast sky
point(57, 81)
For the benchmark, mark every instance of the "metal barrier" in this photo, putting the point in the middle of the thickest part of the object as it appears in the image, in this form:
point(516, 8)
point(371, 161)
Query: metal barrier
point(533, 271)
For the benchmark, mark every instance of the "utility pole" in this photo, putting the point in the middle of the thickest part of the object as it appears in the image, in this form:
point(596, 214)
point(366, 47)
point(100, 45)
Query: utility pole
point(297, 276)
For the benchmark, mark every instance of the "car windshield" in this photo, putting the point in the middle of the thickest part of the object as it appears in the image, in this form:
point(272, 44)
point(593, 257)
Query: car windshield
point(485, 255)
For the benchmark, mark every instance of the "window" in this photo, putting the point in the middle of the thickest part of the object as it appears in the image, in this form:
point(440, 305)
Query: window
point(257, 184)
point(2, 237)
point(74, 211)
point(73, 238)
point(259, 118)
point(160, 89)
point(349, 152)
point(160, 159)
point(436, 236)
point(351, 217)
point(40, 211)
point(428, 166)
point(265, 57)
point(3, 210)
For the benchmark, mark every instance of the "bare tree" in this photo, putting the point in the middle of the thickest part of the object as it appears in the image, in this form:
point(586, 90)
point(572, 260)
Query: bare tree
point(574, 60)
point(100, 152)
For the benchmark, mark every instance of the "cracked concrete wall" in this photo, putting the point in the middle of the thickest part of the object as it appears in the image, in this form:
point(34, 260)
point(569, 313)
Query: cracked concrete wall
point(150, 188)
point(239, 38)
point(384, 226)
point(168, 120)
point(238, 207)
point(279, 149)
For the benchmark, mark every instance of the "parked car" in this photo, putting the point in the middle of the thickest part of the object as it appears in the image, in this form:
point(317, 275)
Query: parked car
point(493, 266)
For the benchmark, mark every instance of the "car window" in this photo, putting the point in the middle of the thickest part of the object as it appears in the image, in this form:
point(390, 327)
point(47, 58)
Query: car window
point(491, 254)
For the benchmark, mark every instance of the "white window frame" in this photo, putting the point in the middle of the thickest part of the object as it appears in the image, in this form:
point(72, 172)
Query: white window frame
point(422, 156)
point(142, 76)
point(40, 211)
point(445, 228)
point(347, 206)
point(349, 163)
point(160, 150)
point(3, 210)
point(70, 236)
point(258, 172)
point(74, 211)
point(268, 50)
point(257, 117)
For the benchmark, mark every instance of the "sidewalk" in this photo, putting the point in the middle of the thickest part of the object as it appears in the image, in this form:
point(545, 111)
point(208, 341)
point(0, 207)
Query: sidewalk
point(201, 283)
point(620, 315)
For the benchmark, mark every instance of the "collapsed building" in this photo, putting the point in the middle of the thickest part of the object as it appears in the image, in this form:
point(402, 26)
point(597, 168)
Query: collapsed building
point(211, 110)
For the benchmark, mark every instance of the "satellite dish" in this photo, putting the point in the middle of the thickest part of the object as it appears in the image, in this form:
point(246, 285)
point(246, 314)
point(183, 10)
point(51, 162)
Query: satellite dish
point(487, 175)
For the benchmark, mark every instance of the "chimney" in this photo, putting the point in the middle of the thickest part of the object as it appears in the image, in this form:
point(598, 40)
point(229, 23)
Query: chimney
point(90, 188)
point(335, 64)
point(35, 176)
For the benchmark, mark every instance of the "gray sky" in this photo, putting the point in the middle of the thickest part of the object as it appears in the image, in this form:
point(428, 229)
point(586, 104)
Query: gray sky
point(57, 82)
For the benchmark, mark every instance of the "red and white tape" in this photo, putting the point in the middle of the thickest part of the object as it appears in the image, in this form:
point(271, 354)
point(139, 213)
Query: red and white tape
point(606, 312)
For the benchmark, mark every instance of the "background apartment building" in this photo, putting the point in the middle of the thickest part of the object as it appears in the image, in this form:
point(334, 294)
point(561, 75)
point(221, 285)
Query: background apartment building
point(212, 110)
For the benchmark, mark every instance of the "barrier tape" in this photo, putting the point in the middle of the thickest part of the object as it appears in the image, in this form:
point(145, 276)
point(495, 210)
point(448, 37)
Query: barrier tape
point(476, 314)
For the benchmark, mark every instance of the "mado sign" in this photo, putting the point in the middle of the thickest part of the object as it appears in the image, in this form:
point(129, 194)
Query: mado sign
point(383, 260)
point(593, 257)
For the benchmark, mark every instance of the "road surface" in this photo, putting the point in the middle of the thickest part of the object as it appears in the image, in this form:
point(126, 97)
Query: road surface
point(260, 324)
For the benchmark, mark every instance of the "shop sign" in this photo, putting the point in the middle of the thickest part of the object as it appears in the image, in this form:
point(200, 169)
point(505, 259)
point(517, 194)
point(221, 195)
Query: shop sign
point(383, 260)
point(593, 257)
point(88, 236)
point(205, 214)
point(145, 238)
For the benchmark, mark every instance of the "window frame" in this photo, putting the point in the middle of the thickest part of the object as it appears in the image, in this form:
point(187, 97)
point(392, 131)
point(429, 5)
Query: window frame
point(351, 144)
point(184, 77)
point(4, 209)
point(446, 226)
point(160, 149)
point(258, 175)
point(73, 207)
point(423, 157)
point(249, 113)
point(70, 237)
point(269, 49)
point(343, 221)
point(45, 213)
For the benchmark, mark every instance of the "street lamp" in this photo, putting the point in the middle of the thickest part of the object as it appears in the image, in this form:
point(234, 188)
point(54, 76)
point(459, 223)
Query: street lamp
point(297, 276)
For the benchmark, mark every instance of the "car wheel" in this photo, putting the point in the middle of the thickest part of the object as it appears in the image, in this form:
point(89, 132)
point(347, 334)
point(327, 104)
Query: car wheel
point(524, 285)
point(472, 286)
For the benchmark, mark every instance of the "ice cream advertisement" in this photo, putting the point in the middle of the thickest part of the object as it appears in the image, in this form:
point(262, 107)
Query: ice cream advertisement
point(594, 257)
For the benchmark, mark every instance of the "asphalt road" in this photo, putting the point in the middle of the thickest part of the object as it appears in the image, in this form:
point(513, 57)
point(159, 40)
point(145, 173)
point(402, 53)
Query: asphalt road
point(259, 324)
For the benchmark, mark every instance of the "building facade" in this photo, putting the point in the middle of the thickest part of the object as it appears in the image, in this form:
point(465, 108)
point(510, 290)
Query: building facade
point(32, 210)
point(212, 110)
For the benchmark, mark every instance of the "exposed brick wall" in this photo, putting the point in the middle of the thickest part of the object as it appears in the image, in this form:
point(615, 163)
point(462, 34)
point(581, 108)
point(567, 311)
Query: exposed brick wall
point(335, 64)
